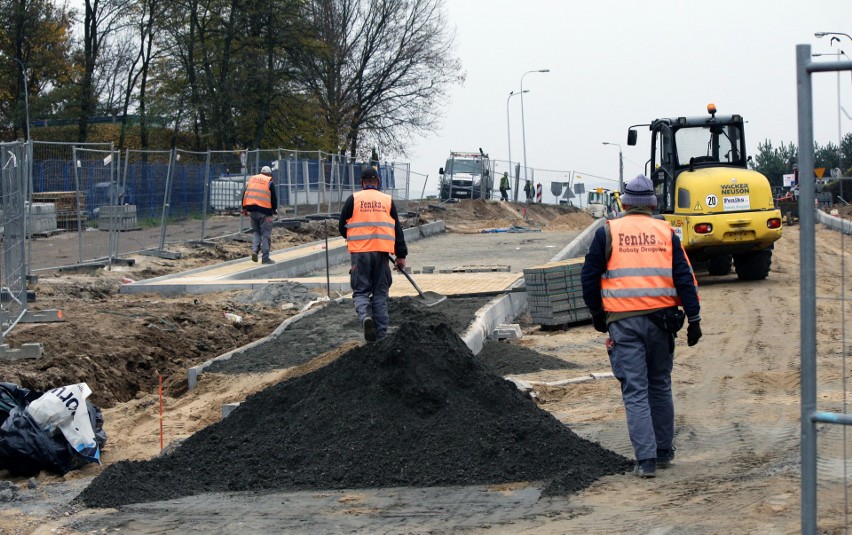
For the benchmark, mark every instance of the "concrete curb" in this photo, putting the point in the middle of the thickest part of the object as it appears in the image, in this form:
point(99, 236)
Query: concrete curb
point(194, 372)
point(293, 267)
point(834, 223)
point(579, 246)
point(505, 308)
point(502, 309)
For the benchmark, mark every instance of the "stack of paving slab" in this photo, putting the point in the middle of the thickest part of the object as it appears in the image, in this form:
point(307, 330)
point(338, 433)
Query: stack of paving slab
point(119, 218)
point(70, 207)
point(42, 218)
point(555, 293)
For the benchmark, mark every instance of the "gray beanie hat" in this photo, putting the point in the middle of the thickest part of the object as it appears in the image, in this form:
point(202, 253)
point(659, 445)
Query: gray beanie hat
point(639, 192)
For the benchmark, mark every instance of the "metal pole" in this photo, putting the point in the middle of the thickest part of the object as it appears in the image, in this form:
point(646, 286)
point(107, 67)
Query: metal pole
point(509, 134)
point(523, 122)
point(205, 194)
point(77, 206)
point(807, 256)
point(620, 166)
point(166, 199)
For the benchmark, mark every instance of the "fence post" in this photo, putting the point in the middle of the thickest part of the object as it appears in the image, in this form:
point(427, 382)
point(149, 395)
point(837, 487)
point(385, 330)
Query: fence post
point(114, 203)
point(28, 205)
point(166, 200)
point(204, 196)
point(77, 207)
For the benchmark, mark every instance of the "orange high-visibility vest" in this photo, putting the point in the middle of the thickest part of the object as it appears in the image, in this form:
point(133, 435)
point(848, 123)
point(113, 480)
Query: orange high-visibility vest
point(639, 273)
point(371, 227)
point(257, 192)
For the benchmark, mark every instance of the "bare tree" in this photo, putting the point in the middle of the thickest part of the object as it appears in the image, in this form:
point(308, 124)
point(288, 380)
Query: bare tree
point(380, 69)
point(100, 19)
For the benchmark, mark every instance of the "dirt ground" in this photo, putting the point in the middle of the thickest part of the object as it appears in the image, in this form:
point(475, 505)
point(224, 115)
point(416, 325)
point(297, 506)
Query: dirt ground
point(736, 400)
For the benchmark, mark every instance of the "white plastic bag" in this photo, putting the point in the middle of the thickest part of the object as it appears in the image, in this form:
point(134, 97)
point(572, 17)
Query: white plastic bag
point(65, 408)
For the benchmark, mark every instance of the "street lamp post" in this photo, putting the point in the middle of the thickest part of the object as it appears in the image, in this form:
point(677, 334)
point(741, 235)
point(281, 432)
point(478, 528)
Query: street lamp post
point(26, 99)
point(523, 124)
point(509, 133)
point(620, 167)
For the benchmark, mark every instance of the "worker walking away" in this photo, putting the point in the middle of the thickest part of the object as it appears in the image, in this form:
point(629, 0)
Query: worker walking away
point(504, 187)
point(528, 191)
point(635, 276)
point(370, 224)
point(260, 203)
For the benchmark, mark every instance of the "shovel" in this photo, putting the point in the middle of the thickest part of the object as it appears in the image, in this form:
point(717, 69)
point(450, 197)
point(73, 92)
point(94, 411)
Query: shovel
point(429, 299)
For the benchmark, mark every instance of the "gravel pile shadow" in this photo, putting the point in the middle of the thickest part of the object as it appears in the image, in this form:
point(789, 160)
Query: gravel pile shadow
point(504, 358)
point(335, 324)
point(416, 409)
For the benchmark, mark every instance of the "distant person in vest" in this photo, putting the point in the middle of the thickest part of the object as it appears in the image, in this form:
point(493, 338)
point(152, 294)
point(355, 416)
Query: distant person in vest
point(504, 187)
point(260, 204)
point(635, 276)
point(528, 191)
point(370, 224)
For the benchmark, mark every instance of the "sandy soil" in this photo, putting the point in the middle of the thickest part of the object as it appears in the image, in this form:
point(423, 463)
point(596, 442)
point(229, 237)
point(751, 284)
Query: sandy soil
point(737, 403)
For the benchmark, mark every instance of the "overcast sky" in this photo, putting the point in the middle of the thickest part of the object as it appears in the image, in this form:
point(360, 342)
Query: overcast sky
point(621, 62)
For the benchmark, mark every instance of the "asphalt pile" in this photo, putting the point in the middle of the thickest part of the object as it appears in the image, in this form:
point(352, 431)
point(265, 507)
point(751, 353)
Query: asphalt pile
point(415, 409)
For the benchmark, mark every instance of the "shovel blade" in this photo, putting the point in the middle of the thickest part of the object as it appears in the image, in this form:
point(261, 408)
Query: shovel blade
point(431, 299)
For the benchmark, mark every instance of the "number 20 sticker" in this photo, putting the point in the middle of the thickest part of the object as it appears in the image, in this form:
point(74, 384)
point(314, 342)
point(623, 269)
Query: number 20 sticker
point(711, 200)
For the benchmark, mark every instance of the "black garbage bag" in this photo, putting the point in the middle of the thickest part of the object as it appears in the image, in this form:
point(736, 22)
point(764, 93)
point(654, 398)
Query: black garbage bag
point(12, 396)
point(26, 449)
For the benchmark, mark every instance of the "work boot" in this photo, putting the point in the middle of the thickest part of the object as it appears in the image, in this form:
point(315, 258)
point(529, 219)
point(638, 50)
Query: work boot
point(268, 261)
point(369, 329)
point(254, 256)
point(645, 468)
point(665, 457)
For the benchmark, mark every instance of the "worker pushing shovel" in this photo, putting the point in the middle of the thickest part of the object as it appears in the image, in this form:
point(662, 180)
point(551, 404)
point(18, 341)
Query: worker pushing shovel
point(370, 224)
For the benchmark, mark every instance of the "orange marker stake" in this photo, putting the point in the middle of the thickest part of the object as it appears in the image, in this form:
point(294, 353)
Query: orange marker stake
point(161, 413)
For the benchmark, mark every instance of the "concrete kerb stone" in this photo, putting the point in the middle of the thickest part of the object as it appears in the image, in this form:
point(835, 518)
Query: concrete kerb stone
point(528, 385)
point(507, 307)
point(194, 372)
point(26, 351)
point(834, 223)
point(294, 267)
point(579, 246)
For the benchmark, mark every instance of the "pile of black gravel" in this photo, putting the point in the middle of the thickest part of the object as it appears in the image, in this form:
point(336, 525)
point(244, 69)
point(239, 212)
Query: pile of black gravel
point(416, 409)
point(334, 324)
point(505, 358)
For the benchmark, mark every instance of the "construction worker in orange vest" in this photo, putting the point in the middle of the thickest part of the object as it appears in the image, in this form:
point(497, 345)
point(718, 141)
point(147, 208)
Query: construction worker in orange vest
point(370, 224)
point(635, 276)
point(260, 203)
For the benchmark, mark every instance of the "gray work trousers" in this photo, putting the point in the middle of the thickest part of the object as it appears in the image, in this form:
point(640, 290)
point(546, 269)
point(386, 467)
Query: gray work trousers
point(370, 278)
point(642, 360)
point(261, 227)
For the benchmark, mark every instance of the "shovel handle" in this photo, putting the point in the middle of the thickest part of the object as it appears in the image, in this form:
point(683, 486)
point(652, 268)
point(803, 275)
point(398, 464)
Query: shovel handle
point(407, 276)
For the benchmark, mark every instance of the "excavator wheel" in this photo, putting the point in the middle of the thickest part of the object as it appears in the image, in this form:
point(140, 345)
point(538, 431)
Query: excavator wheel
point(720, 265)
point(754, 265)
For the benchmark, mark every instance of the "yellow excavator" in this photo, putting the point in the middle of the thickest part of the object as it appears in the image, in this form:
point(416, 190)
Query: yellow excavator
point(722, 211)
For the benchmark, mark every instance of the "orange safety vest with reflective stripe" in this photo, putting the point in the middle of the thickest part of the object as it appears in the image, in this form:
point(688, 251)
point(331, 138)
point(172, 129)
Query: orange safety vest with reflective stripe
point(371, 227)
point(257, 192)
point(639, 272)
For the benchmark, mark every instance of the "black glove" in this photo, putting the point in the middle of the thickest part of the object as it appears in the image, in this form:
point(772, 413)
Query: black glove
point(599, 320)
point(693, 333)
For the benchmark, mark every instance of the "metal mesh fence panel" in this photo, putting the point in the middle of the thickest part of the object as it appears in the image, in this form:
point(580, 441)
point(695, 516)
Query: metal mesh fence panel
point(112, 204)
point(76, 179)
point(145, 176)
point(13, 188)
point(396, 182)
